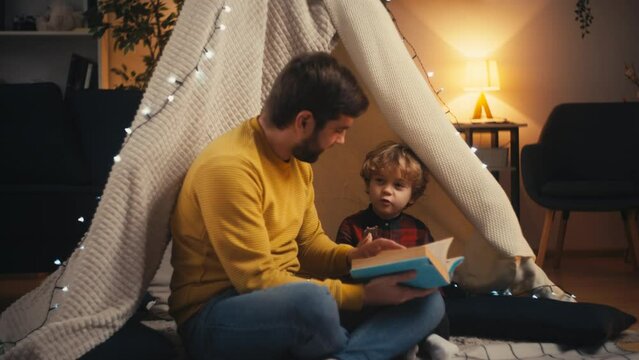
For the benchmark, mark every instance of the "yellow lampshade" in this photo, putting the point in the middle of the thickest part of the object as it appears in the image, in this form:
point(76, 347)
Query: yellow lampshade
point(482, 75)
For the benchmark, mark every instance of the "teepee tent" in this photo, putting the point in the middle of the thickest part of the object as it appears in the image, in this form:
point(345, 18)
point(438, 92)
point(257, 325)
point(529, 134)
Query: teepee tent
point(251, 41)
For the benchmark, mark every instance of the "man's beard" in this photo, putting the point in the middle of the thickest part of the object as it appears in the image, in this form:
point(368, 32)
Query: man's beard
point(309, 150)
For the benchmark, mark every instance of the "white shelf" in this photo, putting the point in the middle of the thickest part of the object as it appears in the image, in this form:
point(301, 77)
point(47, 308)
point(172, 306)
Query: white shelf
point(43, 56)
point(76, 32)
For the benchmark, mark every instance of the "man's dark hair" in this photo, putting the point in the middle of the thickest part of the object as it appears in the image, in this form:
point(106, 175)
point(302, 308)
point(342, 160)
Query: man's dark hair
point(315, 82)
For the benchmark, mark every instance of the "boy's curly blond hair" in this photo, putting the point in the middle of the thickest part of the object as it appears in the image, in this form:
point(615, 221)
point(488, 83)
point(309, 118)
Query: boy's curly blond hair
point(390, 155)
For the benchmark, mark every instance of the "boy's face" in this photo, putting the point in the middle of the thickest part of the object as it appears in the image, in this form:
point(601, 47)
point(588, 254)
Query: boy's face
point(389, 193)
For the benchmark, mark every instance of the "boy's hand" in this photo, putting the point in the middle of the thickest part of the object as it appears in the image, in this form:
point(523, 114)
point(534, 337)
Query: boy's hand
point(367, 239)
point(367, 247)
point(387, 290)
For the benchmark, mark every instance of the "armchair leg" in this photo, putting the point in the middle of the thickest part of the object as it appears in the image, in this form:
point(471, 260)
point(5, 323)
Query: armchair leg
point(561, 236)
point(545, 235)
point(632, 234)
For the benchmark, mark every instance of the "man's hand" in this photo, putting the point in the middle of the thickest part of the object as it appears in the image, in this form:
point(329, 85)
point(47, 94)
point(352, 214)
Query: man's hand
point(387, 290)
point(368, 247)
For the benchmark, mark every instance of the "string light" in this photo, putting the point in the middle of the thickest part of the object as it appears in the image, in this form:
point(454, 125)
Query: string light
point(147, 112)
point(421, 64)
point(429, 74)
point(473, 149)
point(52, 307)
point(174, 79)
point(208, 53)
point(535, 293)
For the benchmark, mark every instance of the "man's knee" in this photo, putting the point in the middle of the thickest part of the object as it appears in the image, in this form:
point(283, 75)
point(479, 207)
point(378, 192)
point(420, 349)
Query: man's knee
point(314, 306)
point(432, 307)
point(438, 305)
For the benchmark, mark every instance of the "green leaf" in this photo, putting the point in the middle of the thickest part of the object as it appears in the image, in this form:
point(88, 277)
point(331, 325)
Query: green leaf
point(136, 22)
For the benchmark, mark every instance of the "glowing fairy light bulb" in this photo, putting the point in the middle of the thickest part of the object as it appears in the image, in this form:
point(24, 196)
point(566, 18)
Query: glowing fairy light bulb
point(128, 131)
point(173, 80)
point(117, 158)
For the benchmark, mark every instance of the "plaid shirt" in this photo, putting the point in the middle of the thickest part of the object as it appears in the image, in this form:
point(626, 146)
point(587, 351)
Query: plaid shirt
point(404, 229)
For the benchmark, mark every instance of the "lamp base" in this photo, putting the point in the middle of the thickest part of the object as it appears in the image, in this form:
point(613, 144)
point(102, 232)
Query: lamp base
point(482, 104)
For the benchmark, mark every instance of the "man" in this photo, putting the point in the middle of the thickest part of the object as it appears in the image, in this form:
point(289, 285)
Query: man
point(245, 228)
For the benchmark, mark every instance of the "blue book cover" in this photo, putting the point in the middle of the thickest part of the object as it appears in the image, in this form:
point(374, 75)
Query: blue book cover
point(430, 262)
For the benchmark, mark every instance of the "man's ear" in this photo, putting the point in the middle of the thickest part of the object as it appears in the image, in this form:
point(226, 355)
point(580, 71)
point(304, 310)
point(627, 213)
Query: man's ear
point(305, 122)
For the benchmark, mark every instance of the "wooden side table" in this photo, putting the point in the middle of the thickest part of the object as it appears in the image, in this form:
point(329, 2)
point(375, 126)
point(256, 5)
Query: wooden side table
point(493, 128)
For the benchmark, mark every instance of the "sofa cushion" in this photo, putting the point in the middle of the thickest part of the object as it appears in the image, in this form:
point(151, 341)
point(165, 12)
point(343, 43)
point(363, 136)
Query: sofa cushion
point(592, 189)
point(101, 117)
point(38, 140)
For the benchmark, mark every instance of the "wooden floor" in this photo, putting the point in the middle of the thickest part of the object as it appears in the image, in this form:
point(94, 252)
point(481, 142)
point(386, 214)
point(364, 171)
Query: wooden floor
point(602, 280)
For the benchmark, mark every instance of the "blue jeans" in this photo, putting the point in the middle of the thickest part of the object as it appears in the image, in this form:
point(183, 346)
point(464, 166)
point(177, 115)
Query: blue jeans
point(301, 321)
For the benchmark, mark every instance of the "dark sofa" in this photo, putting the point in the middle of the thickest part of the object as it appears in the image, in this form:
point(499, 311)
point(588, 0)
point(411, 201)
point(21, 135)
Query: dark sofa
point(56, 156)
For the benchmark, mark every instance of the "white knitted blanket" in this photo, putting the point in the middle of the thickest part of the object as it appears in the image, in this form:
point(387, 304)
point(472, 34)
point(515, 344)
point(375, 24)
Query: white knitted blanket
point(107, 276)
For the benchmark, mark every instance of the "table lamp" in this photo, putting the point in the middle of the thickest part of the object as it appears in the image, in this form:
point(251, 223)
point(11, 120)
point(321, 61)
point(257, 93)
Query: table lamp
point(482, 75)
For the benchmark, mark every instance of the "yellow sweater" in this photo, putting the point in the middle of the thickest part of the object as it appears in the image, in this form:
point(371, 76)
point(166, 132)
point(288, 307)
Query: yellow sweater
point(246, 219)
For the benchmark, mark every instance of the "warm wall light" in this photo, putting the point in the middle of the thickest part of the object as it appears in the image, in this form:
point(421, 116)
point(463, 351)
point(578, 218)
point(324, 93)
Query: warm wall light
point(482, 75)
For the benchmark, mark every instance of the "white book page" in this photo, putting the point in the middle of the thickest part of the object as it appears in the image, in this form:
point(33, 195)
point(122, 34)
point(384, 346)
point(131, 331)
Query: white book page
point(439, 249)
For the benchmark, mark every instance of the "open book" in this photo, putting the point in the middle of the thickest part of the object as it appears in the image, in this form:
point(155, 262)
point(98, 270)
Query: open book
point(431, 262)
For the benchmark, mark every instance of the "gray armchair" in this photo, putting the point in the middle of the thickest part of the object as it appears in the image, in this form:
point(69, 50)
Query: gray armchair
point(587, 159)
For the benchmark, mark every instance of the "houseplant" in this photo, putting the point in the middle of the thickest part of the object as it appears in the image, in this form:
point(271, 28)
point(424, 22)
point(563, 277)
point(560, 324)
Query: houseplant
point(141, 25)
point(583, 15)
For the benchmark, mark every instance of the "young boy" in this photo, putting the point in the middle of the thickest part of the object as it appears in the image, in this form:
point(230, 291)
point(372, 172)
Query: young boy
point(395, 178)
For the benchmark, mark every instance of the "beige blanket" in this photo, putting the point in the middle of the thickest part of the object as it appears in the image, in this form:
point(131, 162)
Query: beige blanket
point(129, 232)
